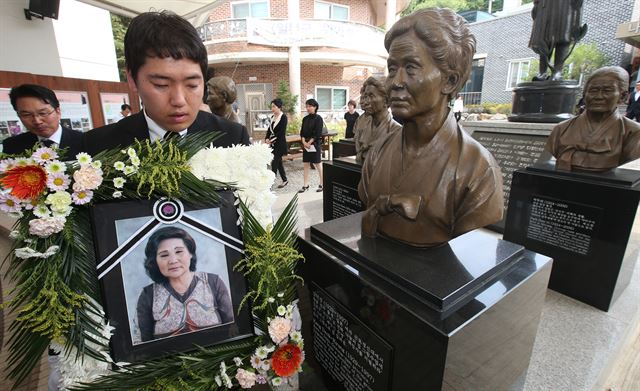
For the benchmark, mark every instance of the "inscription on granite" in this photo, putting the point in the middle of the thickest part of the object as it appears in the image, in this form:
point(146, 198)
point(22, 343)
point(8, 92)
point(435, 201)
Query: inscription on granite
point(345, 200)
point(348, 350)
point(562, 224)
point(513, 152)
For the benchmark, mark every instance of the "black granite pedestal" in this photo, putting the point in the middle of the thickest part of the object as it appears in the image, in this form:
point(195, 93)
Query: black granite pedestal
point(585, 222)
point(344, 147)
point(544, 101)
point(462, 316)
point(340, 195)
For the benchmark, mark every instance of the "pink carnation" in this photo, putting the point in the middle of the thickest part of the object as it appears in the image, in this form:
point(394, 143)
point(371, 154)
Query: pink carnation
point(46, 226)
point(87, 178)
point(246, 379)
point(279, 329)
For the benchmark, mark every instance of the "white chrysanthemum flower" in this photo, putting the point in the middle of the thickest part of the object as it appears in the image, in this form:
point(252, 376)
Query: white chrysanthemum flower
point(58, 182)
point(43, 155)
point(131, 152)
point(41, 211)
point(82, 197)
point(117, 194)
point(218, 380)
point(237, 361)
point(296, 337)
point(282, 310)
point(7, 164)
point(96, 164)
point(128, 170)
point(280, 295)
point(276, 381)
point(84, 158)
point(14, 234)
point(262, 352)
point(135, 161)
point(119, 182)
point(55, 167)
point(23, 161)
point(119, 165)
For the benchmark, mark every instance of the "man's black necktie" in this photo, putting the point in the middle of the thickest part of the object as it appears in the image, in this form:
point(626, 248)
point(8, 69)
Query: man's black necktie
point(171, 136)
point(47, 143)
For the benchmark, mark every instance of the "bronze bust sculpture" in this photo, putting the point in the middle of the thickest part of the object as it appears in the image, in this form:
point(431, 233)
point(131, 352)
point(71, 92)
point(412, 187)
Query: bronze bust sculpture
point(556, 29)
point(600, 138)
point(430, 181)
point(376, 121)
point(222, 94)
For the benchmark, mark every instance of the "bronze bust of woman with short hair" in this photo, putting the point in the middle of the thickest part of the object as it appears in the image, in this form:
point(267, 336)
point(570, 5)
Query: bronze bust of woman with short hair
point(430, 181)
point(600, 138)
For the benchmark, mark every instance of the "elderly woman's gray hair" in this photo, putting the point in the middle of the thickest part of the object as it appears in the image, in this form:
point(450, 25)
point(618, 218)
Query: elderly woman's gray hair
point(449, 41)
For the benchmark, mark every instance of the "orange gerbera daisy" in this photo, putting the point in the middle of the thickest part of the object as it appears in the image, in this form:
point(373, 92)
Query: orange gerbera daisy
point(25, 181)
point(286, 360)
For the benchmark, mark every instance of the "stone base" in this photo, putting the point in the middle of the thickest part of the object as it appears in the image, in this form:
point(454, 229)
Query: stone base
point(344, 147)
point(390, 317)
point(544, 101)
point(585, 221)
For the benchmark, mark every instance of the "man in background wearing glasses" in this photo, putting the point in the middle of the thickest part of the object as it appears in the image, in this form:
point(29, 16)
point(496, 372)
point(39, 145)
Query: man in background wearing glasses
point(39, 110)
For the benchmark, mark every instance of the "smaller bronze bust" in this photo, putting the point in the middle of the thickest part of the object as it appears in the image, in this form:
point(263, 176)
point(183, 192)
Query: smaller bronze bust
point(430, 181)
point(222, 94)
point(600, 138)
point(376, 122)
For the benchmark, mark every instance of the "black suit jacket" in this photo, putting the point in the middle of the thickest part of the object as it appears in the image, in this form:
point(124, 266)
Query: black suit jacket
point(124, 132)
point(633, 107)
point(71, 139)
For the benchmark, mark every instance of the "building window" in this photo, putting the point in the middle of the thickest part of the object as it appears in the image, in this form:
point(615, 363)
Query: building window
point(332, 98)
point(324, 10)
point(518, 71)
point(250, 9)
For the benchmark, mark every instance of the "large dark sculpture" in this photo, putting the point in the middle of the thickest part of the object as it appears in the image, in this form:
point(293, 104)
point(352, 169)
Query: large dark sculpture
point(600, 138)
point(429, 182)
point(376, 122)
point(556, 29)
point(222, 94)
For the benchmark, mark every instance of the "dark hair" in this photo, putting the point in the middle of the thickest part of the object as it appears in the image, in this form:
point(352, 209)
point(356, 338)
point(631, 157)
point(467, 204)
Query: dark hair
point(124, 107)
point(162, 34)
point(447, 36)
point(352, 103)
point(226, 86)
point(33, 91)
point(314, 103)
point(150, 252)
point(277, 102)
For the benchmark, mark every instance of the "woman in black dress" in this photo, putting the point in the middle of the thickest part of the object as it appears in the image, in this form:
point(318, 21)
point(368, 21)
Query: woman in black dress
point(277, 138)
point(351, 116)
point(311, 137)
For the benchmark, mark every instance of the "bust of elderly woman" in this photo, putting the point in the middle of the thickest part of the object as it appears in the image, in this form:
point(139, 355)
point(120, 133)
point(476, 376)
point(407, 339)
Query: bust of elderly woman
point(376, 122)
point(600, 138)
point(180, 300)
point(430, 181)
point(221, 95)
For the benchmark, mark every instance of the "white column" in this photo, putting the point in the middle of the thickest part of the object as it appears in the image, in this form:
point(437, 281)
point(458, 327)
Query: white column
point(293, 9)
point(390, 18)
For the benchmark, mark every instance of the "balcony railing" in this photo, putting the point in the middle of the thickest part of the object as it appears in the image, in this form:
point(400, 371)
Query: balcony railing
point(307, 32)
point(471, 98)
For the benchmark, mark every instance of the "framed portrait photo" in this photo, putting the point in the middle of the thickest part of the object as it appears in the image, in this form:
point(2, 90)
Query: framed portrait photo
point(166, 276)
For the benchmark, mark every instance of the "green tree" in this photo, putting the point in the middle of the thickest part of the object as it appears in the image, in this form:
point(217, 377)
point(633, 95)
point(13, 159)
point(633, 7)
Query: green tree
point(584, 59)
point(288, 99)
point(119, 25)
point(456, 5)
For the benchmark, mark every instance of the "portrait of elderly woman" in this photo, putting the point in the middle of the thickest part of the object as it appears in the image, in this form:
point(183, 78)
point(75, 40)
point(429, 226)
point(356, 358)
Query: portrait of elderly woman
point(181, 299)
point(221, 93)
point(430, 181)
point(600, 138)
point(376, 122)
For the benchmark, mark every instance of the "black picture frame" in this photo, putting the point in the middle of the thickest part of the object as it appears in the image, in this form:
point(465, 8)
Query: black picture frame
point(121, 230)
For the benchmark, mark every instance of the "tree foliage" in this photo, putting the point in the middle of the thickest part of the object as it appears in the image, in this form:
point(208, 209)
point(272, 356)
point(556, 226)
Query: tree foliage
point(289, 100)
point(585, 58)
point(119, 25)
point(456, 5)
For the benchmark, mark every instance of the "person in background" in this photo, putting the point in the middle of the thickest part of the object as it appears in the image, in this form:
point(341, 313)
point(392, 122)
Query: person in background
point(222, 93)
point(39, 110)
point(125, 110)
point(458, 107)
point(277, 137)
point(166, 63)
point(633, 105)
point(350, 116)
point(311, 137)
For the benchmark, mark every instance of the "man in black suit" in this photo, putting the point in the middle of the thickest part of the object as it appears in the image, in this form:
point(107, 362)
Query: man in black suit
point(39, 110)
point(633, 106)
point(166, 63)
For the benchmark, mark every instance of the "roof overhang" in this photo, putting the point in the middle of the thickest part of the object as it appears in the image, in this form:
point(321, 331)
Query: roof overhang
point(629, 32)
point(184, 8)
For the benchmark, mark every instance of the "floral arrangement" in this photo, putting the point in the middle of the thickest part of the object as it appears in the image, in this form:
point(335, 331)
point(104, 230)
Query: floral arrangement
point(52, 264)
